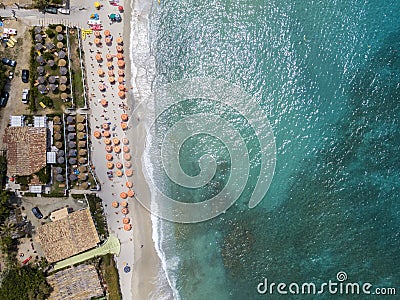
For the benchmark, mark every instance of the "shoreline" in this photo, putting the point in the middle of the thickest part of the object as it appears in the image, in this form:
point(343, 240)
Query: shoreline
point(147, 272)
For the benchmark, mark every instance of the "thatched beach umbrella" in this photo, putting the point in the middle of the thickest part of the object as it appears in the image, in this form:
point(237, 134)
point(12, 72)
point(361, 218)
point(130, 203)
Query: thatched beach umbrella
point(56, 120)
point(42, 89)
point(70, 119)
point(52, 87)
point(50, 63)
point(82, 169)
point(38, 46)
point(60, 37)
point(40, 70)
point(82, 144)
point(58, 145)
point(61, 54)
point(40, 59)
point(63, 79)
point(57, 136)
point(38, 38)
point(63, 71)
point(71, 128)
point(58, 28)
point(37, 29)
point(72, 160)
point(62, 63)
point(41, 79)
point(72, 144)
point(71, 136)
point(56, 128)
point(60, 45)
point(80, 127)
point(72, 153)
point(81, 135)
point(82, 160)
point(73, 177)
point(52, 79)
point(50, 46)
point(84, 185)
point(59, 178)
point(60, 160)
point(82, 152)
point(62, 87)
point(80, 118)
point(64, 96)
point(60, 153)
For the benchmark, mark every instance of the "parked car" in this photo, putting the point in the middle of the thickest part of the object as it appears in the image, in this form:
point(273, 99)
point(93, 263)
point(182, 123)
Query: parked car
point(64, 11)
point(25, 96)
point(4, 98)
point(51, 10)
point(9, 62)
point(37, 212)
point(25, 76)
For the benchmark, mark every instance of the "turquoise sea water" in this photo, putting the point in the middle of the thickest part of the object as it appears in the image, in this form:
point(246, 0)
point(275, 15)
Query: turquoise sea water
point(328, 75)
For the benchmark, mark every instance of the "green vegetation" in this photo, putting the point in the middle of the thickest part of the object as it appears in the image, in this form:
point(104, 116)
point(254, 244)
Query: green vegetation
point(25, 283)
point(78, 196)
point(3, 171)
point(96, 209)
point(44, 174)
point(110, 274)
point(4, 206)
point(33, 91)
point(50, 33)
point(3, 75)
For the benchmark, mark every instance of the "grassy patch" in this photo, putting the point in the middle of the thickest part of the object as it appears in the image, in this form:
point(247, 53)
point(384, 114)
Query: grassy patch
point(110, 275)
point(96, 209)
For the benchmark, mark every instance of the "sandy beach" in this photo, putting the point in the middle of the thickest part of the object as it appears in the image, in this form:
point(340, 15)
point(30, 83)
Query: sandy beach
point(137, 246)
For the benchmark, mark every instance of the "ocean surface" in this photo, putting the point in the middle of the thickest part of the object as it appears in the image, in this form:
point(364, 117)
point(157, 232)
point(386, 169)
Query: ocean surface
point(327, 75)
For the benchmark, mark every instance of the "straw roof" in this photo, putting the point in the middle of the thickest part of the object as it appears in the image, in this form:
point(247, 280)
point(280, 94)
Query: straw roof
point(69, 236)
point(62, 62)
point(80, 118)
point(81, 282)
point(26, 150)
point(59, 28)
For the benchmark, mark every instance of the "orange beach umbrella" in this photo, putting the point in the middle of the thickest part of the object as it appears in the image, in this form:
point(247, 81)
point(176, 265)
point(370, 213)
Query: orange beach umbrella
point(128, 164)
point(107, 141)
point(121, 63)
point(118, 165)
point(127, 227)
point(107, 32)
point(109, 65)
point(97, 134)
point(121, 79)
point(124, 117)
point(118, 173)
point(120, 48)
point(100, 72)
point(115, 204)
point(124, 203)
point(117, 149)
point(102, 87)
point(121, 94)
point(109, 156)
point(125, 211)
point(129, 172)
point(124, 125)
point(125, 220)
point(121, 87)
point(131, 193)
point(129, 184)
point(97, 41)
point(123, 195)
point(121, 72)
point(104, 102)
point(116, 141)
point(125, 141)
point(109, 148)
point(125, 149)
point(98, 57)
point(105, 126)
point(127, 156)
point(111, 79)
point(120, 56)
point(106, 133)
point(110, 73)
point(110, 165)
point(120, 40)
point(109, 56)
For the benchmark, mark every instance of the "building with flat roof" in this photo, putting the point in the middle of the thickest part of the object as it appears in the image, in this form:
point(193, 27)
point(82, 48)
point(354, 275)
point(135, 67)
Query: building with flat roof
point(26, 150)
point(68, 235)
point(76, 283)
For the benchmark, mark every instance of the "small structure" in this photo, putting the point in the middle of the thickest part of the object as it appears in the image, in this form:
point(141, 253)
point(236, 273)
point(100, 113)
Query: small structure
point(39, 121)
point(59, 214)
point(17, 121)
point(68, 236)
point(26, 150)
point(51, 157)
point(35, 189)
point(81, 282)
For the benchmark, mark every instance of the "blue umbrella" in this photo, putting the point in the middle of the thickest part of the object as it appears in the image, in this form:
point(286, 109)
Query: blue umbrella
point(127, 269)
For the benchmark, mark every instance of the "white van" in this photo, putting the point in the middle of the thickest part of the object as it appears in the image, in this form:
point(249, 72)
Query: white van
point(25, 96)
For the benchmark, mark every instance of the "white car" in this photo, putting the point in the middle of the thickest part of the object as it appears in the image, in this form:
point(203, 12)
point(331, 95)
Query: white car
point(25, 96)
point(94, 22)
point(64, 11)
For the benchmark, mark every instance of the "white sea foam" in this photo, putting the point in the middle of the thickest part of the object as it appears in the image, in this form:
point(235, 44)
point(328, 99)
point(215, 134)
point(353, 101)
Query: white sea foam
point(143, 73)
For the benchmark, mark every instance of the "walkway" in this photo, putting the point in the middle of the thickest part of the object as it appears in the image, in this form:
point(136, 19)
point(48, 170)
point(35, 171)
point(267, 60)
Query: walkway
point(112, 245)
